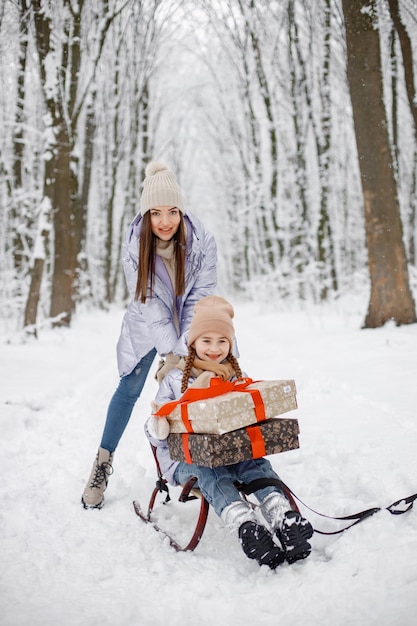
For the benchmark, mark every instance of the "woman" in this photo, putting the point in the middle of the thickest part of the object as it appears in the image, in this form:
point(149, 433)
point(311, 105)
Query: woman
point(169, 260)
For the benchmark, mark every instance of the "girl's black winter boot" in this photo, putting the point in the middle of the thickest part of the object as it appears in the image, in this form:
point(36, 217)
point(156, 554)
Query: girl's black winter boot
point(294, 534)
point(257, 543)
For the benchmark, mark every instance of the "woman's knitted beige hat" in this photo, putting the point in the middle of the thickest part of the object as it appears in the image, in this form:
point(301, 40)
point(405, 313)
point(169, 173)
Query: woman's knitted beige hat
point(160, 188)
point(212, 314)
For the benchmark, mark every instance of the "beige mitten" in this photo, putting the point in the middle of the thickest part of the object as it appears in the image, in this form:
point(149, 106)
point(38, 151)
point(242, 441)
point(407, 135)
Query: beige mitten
point(158, 427)
point(203, 380)
point(223, 370)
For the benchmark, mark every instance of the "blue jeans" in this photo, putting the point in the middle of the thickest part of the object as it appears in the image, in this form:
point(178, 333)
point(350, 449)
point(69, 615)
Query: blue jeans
point(123, 400)
point(216, 483)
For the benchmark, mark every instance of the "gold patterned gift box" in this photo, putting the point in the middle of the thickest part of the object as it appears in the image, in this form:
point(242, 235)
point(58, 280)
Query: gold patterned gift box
point(270, 437)
point(258, 401)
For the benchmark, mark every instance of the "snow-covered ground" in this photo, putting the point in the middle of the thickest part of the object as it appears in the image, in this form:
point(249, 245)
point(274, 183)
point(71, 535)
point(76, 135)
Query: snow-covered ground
point(62, 565)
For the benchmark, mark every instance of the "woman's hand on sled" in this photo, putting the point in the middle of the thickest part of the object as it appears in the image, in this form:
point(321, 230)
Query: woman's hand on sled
point(166, 365)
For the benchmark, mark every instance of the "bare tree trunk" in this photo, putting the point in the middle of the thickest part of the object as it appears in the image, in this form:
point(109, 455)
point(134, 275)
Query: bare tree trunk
point(407, 57)
point(80, 218)
point(391, 297)
point(32, 301)
point(58, 187)
point(64, 241)
point(394, 99)
point(325, 244)
point(18, 139)
point(408, 64)
point(270, 210)
point(64, 102)
point(41, 248)
point(413, 213)
point(300, 245)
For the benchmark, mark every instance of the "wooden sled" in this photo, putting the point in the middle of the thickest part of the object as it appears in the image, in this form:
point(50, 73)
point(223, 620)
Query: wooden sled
point(188, 493)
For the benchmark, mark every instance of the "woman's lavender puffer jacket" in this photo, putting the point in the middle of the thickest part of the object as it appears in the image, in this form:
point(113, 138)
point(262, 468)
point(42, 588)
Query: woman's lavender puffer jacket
point(151, 325)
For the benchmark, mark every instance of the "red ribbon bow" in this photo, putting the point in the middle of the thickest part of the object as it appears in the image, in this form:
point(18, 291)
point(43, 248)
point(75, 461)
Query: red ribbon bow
point(218, 387)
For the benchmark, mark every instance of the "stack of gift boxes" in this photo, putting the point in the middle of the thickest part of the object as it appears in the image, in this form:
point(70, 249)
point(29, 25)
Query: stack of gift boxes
point(234, 426)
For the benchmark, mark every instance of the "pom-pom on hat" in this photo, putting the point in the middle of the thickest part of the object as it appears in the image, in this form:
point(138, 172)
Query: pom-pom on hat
point(212, 314)
point(160, 188)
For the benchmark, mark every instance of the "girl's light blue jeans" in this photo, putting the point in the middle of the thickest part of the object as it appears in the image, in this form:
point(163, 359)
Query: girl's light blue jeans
point(123, 400)
point(217, 483)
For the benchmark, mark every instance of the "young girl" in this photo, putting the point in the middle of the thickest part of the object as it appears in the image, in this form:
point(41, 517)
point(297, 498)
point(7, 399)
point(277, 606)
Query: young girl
point(169, 261)
point(210, 341)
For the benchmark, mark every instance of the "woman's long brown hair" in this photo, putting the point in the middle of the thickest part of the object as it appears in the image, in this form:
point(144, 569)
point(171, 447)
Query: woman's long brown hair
point(146, 260)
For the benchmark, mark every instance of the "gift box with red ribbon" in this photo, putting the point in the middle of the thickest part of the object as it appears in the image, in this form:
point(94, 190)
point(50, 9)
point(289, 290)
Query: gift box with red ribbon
point(227, 406)
point(253, 442)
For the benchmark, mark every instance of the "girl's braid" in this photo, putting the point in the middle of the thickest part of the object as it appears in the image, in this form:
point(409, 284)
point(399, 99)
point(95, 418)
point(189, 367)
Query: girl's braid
point(234, 363)
point(187, 369)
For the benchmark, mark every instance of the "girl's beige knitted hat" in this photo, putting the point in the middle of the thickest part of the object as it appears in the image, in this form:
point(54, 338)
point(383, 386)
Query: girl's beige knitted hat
point(160, 188)
point(212, 314)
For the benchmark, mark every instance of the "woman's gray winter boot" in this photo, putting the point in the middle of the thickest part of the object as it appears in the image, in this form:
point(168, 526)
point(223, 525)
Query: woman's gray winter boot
point(93, 496)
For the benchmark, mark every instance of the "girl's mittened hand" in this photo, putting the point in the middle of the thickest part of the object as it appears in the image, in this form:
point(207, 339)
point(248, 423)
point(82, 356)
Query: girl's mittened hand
point(227, 372)
point(155, 407)
point(158, 427)
point(203, 380)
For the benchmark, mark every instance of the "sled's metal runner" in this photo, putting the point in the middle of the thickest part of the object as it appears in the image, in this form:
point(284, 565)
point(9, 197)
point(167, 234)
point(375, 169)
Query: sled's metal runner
point(187, 493)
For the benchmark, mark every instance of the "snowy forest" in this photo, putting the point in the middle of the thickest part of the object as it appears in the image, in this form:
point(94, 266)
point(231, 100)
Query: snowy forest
point(291, 126)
